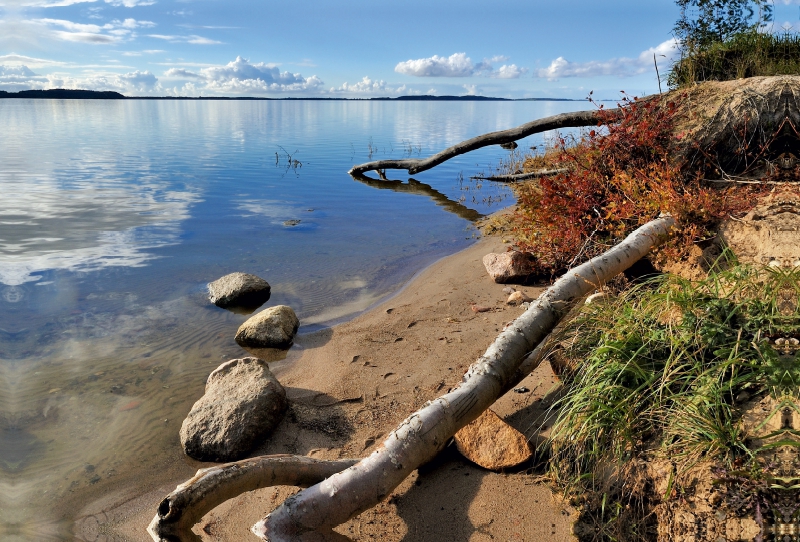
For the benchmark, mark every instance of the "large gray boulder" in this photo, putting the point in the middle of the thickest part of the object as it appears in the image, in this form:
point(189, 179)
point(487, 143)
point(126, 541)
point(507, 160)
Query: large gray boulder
point(242, 403)
point(509, 266)
point(274, 327)
point(239, 290)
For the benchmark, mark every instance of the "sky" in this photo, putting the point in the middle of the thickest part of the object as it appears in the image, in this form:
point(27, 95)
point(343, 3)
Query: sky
point(343, 48)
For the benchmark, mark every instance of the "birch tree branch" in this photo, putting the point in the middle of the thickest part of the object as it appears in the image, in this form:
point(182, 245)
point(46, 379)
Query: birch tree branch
point(312, 514)
point(210, 487)
point(517, 177)
point(555, 122)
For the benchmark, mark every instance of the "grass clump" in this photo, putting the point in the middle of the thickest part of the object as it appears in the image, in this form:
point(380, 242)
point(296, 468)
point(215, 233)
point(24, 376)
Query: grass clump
point(746, 54)
point(657, 372)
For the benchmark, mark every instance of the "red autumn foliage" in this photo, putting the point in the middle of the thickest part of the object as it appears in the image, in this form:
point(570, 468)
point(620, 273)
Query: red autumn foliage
point(618, 179)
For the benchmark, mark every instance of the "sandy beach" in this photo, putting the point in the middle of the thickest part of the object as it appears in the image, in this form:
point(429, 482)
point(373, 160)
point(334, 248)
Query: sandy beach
point(350, 385)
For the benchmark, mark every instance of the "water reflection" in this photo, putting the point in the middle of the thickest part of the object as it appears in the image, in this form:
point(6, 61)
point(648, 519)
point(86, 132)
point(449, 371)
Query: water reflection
point(44, 227)
point(415, 187)
point(113, 217)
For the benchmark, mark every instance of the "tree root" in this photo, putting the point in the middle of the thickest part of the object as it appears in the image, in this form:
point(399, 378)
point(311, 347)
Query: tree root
point(311, 514)
point(555, 122)
point(210, 487)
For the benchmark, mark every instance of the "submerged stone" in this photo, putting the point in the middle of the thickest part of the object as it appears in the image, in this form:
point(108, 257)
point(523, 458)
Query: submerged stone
point(273, 327)
point(239, 289)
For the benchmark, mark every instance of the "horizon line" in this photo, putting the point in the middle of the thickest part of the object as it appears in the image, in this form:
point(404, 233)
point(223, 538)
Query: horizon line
point(85, 94)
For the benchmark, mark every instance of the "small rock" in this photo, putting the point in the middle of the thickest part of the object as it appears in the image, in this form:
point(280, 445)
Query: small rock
point(271, 328)
point(521, 389)
point(239, 289)
point(242, 403)
point(517, 298)
point(510, 146)
point(492, 444)
point(291, 223)
point(478, 308)
point(508, 290)
point(509, 266)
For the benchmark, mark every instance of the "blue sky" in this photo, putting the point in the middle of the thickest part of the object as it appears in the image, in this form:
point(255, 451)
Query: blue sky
point(349, 48)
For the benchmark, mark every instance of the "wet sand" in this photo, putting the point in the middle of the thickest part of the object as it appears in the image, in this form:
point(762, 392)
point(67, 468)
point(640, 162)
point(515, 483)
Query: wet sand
point(349, 386)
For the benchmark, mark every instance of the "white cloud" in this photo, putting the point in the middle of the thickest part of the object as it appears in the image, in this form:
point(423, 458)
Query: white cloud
point(135, 82)
point(197, 40)
point(458, 65)
point(28, 61)
point(133, 23)
point(85, 37)
point(177, 73)
point(472, 90)
point(112, 32)
point(241, 77)
point(16, 78)
point(72, 27)
point(368, 86)
point(140, 81)
point(49, 3)
point(619, 67)
point(64, 3)
point(512, 71)
point(130, 3)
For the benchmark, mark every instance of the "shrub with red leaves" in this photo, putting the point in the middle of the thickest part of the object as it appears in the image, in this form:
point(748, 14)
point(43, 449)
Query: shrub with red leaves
point(619, 178)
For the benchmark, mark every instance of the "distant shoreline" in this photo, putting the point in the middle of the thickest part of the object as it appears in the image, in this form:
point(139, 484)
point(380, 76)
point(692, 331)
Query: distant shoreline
point(67, 94)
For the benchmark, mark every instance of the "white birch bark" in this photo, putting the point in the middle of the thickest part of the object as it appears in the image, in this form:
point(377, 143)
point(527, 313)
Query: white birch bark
point(210, 487)
point(311, 514)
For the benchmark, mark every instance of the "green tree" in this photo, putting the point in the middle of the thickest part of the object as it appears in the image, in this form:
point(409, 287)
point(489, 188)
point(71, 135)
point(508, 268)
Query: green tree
point(705, 22)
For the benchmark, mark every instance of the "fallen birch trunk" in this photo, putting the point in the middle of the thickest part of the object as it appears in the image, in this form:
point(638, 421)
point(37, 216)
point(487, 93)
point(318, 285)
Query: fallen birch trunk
point(517, 177)
point(555, 122)
point(210, 487)
point(312, 514)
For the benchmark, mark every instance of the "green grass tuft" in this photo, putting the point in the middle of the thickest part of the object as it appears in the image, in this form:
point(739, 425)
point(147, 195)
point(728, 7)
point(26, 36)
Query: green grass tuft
point(658, 369)
point(747, 54)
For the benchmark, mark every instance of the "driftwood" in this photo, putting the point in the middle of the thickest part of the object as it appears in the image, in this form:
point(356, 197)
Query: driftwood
point(312, 514)
point(517, 177)
point(555, 122)
point(210, 487)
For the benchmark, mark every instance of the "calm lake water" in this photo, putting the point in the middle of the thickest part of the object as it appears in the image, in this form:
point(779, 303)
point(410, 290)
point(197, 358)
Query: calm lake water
point(116, 214)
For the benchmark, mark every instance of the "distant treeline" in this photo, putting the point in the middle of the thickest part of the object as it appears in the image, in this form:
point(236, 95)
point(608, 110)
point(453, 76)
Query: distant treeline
point(64, 94)
point(67, 94)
